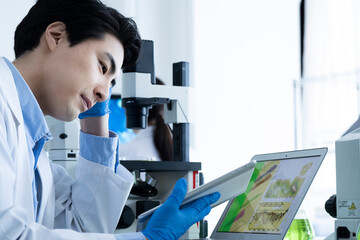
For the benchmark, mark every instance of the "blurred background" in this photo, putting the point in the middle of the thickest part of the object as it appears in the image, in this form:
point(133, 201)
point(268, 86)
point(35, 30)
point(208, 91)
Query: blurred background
point(269, 76)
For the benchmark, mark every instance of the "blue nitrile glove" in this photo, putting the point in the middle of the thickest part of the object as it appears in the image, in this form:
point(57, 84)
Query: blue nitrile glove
point(170, 221)
point(99, 109)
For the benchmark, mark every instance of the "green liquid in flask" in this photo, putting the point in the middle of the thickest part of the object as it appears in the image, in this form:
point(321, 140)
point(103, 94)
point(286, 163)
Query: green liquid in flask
point(300, 229)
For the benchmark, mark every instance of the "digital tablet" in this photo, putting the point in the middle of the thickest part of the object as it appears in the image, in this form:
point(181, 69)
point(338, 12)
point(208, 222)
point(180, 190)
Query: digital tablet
point(228, 185)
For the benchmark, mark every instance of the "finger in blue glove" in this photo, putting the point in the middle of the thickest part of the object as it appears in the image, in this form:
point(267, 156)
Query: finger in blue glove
point(170, 221)
point(98, 110)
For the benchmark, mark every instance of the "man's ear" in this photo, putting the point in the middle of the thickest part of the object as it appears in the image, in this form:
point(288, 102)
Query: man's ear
point(55, 34)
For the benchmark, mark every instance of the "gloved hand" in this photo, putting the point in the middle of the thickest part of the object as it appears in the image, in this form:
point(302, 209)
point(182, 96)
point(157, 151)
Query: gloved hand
point(170, 221)
point(99, 109)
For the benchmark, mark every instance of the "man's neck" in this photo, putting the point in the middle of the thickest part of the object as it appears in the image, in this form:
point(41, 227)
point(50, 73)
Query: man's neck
point(29, 67)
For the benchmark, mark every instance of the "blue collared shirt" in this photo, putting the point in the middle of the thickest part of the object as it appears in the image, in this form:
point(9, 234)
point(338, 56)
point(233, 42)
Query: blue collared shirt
point(36, 129)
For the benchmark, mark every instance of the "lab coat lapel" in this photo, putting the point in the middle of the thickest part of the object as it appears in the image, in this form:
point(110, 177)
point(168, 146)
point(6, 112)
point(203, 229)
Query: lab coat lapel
point(46, 183)
point(24, 175)
point(12, 99)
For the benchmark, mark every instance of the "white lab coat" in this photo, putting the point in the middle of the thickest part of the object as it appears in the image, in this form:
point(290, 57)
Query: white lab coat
point(90, 203)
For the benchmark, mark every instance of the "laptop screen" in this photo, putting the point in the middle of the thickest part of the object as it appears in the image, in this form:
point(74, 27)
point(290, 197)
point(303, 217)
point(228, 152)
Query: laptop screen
point(273, 196)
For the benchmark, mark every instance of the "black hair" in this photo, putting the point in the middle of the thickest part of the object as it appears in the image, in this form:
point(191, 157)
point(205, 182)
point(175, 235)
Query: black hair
point(83, 19)
point(162, 135)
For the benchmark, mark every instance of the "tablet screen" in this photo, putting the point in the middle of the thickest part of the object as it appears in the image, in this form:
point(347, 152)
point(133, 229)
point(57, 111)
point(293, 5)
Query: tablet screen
point(276, 188)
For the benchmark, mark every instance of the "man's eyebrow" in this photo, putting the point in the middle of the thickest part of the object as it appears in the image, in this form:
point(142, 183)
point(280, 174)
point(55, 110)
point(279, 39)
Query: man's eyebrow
point(113, 65)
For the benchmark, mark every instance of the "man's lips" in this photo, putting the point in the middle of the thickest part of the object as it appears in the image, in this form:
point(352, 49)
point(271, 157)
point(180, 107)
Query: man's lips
point(87, 103)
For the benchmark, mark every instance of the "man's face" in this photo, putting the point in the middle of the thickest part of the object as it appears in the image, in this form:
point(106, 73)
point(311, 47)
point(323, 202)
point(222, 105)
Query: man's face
point(77, 77)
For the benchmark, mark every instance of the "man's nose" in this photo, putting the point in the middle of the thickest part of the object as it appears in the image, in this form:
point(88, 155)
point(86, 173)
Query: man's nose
point(102, 93)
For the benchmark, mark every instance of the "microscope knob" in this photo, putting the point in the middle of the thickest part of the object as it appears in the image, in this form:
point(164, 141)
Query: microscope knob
point(151, 180)
point(330, 206)
point(127, 218)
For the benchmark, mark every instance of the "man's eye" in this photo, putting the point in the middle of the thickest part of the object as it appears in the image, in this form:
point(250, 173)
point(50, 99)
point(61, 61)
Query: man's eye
point(103, 68)
point(113, 83)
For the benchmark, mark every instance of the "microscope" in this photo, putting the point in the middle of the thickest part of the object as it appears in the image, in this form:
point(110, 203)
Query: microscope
point(345, 205)
point(138, 94)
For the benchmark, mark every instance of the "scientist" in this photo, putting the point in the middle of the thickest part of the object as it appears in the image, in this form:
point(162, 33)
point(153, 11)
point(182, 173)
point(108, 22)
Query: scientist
point(67, 54)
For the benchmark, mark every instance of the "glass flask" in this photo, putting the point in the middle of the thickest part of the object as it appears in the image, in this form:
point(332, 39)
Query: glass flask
point(300, 228)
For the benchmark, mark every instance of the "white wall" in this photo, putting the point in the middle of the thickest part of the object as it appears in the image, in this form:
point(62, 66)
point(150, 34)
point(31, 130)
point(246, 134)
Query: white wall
point(246, 58)
point(330, 90)
point(11, 14)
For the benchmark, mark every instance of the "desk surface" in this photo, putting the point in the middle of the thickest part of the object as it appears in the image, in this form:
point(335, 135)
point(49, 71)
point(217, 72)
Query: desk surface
point(160, 166)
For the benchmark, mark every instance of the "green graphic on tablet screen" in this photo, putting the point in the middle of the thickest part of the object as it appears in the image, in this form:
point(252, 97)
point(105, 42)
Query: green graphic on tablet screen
point(267, 199)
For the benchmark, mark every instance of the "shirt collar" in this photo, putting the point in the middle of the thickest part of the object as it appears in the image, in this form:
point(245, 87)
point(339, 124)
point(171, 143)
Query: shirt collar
point(34, 119)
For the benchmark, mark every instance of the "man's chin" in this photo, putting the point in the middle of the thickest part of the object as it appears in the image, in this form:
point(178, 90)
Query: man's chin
point(68, 117)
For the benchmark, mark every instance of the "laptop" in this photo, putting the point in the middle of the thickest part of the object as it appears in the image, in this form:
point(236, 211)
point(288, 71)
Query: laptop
point(273, 196)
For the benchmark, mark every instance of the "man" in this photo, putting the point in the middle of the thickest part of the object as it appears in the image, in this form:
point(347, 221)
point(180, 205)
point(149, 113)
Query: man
point(68, 53)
